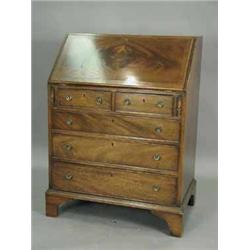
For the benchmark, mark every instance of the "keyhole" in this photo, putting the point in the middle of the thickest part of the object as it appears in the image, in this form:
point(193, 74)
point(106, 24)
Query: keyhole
point(143, 100)
point(112, 120)
point(112, 144)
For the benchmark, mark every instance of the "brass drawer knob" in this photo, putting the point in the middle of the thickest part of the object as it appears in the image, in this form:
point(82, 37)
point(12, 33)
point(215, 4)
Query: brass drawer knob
point(68, 98)
point(98, 100)
point(160, 104)
point(127, 102)
point(67, 147)
point(156, 188)
point(68, 177)
point(69, 122)
point(157, 157)
point(158, 130)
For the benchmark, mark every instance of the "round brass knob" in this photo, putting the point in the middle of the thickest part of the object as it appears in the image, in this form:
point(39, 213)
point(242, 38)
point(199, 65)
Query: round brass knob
point(158, 130)
point(67, 147)
point(127, 102)
point(157, 157)
point(156, 188)
point(98, 100)
point(160, 104)
point(68, 98)
point(69, 122)
point(68, 177)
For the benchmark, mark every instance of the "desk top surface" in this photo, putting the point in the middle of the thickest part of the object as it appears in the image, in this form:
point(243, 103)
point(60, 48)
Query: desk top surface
point(134, 61)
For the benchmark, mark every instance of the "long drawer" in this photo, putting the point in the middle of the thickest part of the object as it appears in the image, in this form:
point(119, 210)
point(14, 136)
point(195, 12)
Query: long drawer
point(155, 188)
point(134, 152)
point(155, 128)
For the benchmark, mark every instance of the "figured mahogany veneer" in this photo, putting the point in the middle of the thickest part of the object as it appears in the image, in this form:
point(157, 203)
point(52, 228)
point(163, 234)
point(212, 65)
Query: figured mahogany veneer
point(113, 124)
point(122, 123)
point(145, 103)
point(132, 185)
point(147, 61)
point(83, 98)
point(134, 152)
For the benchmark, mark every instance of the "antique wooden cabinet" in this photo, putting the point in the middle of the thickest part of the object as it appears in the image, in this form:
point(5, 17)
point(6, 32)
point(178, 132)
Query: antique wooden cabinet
point(122, 123)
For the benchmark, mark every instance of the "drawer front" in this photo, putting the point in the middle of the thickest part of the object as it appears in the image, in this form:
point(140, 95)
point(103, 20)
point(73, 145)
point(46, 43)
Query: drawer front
point(145, 103)
point(132, 153)
point(155, 188)
point(155, 128)
point(84, 98)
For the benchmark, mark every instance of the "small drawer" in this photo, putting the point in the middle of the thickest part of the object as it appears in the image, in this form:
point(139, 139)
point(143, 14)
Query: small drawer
point(145, 103)
point(83, 98)
point(154, 188)
point(125, 125)
point(133, 153)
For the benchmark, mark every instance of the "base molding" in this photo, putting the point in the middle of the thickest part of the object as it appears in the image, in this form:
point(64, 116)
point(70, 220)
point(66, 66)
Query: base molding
point(173, 216)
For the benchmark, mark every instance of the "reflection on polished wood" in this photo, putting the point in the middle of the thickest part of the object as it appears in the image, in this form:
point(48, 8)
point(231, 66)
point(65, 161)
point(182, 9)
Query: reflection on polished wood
point(124, 60)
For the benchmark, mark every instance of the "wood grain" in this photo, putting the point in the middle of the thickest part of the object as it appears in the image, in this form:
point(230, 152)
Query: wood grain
point(146, 103)
point(189, 123)
point(126, 125)
point(154, 188)
point(122, 116)
point(83, 98)
point(124, 60)
point(115, 201)
point(115, 151)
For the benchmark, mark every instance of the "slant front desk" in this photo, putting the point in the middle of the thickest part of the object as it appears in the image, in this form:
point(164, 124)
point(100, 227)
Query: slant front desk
point(123, 121)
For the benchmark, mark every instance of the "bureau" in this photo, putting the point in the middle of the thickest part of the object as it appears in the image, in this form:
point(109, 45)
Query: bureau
point(122, 118)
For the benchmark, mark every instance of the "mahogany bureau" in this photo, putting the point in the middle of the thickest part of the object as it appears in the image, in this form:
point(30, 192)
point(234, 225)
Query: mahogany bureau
point(122, 123)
